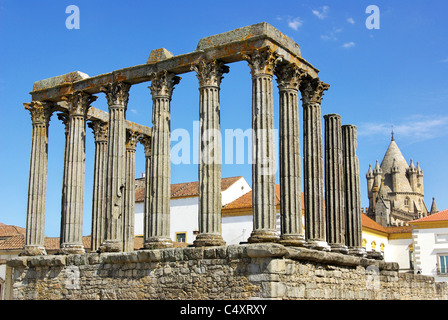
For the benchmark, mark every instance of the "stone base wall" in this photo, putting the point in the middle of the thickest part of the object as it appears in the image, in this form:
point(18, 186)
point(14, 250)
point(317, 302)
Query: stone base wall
point(252, 271)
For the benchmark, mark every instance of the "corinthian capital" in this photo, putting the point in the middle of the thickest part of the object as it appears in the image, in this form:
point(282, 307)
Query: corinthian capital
point(209, 72)
point(40, 112)
point(146, 142)
point(289, 76)
point(78, 103)
point(99, 129)
point(132, 138)
point(261, 61)
point(312, 90)
point(162, 83)
point(117, 93)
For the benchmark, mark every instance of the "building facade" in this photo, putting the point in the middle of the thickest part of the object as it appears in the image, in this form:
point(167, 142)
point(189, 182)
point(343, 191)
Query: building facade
point(395, 189)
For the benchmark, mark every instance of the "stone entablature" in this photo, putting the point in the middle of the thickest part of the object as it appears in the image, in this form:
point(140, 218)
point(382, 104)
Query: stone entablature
point(251, 271)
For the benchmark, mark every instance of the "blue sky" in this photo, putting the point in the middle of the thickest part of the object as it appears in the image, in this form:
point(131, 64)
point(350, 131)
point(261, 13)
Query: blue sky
point(395, 75)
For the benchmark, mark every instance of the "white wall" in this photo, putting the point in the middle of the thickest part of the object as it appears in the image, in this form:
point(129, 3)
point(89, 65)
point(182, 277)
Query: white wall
point(428, 244)
point(397, 250)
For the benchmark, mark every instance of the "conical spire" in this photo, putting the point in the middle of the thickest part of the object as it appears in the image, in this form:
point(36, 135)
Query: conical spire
point(369, 172)
point(434, 208)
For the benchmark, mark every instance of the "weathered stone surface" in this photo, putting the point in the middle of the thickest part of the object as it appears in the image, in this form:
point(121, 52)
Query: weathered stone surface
point(157, 55)
point(59, 80)
point(259, 30)
point(252, 271)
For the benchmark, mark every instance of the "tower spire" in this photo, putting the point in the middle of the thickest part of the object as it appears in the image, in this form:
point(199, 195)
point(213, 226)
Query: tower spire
point(392, 133)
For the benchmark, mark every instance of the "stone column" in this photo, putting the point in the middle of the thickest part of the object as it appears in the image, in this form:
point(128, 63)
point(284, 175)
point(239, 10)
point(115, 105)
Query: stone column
point(158, 236)
point(146, 142)
point(117, 95)
point(288, 79)
point(37, 184)
point(312, 91)
point(209, 74)
point(129, 192)
point(334, 184)
point(261, 63)
point(64, 117)
point(74, 172)
point(352, 191)
point(99, 183)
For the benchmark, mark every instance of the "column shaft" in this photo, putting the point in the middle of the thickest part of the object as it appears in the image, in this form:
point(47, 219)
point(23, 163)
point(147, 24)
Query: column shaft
point(209, 74)
point(129, 192)
point(117, 95)
point(352, 191)
point(312, 92)
point(262, 64)
point(74, 174)
point(288, 78)
point(334, 184)
point(99, 184)
point(146, 141)
point(158, 235)
point(37, 184)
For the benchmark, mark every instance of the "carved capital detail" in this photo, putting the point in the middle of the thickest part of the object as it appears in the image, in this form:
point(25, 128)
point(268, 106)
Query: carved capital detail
point(146, 142)
point(99, 129)
point(162, 83)
point(78, 103)
point(289, 76)
point(312, 90)
point(132, 138)
point(261, 61)
point(40, 112)
point(63, 116)
point(209, 72)
point(117, 93)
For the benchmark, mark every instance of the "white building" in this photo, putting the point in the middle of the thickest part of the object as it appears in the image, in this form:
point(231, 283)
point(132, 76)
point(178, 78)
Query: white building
point(430, 241)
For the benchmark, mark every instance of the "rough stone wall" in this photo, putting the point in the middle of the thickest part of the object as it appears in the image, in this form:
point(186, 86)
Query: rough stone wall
point(228, 272)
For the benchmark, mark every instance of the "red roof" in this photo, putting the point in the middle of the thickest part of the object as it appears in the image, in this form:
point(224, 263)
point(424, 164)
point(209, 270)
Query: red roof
point(439, 216)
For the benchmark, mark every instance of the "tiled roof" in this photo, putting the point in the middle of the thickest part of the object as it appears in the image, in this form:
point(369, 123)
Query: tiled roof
point(52, 244)
point(9, 231)
point(372, 224)
point(439, 216)
point(245, 201)
point(186, 189)
point(17, 242)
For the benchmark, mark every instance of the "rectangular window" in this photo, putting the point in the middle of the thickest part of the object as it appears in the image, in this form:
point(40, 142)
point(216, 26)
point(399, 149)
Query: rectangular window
point(181, 236)
point(443, 264)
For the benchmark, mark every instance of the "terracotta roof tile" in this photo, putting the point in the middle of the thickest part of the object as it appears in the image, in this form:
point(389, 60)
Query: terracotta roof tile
point(439, 216)
point(245, 201)
point(9, 231)
point(185, 189)
point(372, 224)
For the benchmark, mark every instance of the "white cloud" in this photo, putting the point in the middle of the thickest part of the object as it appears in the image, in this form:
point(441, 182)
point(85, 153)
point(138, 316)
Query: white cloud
point(416, 128)
point(351, 21)
point(323, 13)
point(133, 111)
point(295, 24)
point(348, 45)
point(444, 60)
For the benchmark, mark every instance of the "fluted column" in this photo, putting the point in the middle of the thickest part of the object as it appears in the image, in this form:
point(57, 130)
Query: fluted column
point(288, 79)
point(158, 236)
point(99, 183)
point(209, 74)
point(312, 91)
point(146, 142)
point(129, 192)
point(334, 184)
point(37, 184)
point(117, 95)
point(261, 63)
point(352, 191)
point(74, 173)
